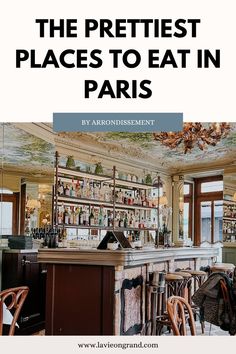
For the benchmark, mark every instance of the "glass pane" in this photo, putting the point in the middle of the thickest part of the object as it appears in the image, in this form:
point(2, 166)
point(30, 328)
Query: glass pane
point(186, 220)
point(214, 186)
point(5, 191)
point(218, 220)
point(6, 218)
point(206, 221)
point(186, 189)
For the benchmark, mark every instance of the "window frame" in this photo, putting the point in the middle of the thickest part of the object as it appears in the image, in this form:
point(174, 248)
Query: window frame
point(201, 197)
point(188, 198)
point(14, 199)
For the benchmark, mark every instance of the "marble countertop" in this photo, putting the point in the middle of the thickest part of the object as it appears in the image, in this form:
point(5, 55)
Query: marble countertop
point(122, 257)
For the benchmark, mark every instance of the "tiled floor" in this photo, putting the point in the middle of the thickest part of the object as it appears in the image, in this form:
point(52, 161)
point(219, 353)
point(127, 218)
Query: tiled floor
point(209, 330)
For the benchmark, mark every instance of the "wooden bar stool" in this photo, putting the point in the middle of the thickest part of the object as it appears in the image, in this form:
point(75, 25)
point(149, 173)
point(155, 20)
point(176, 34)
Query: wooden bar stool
point(174, 284)
point(227, 268)
point(187, 285)
point(155, 300)
point(199, 276)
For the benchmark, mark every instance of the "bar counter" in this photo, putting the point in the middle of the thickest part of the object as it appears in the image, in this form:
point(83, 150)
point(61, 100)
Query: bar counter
point(103, 292)
point(125, 257)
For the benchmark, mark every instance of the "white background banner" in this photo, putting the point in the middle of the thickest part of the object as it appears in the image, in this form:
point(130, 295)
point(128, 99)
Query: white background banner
point(33, 94)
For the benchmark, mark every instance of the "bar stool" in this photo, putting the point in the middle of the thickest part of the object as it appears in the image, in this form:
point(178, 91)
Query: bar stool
point(227, 268)
point(199, 276)
point(174, 286)
point(197, 279)
point(187, 285)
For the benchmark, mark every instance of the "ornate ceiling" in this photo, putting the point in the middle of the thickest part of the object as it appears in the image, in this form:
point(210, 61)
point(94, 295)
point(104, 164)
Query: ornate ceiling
point(24, 149)
point(25, 153)
point(142, 148)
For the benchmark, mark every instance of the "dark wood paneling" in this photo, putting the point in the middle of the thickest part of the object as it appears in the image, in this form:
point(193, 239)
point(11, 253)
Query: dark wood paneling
point(79, 300)
point(22, 269)
point(108, 280)
point(49, 299)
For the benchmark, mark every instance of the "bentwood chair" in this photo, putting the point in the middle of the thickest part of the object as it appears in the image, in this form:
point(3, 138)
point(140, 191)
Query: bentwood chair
point(12, 299)
point(179, 311)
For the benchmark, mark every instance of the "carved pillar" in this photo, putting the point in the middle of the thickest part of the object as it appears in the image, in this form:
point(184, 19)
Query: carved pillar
point(177, 192)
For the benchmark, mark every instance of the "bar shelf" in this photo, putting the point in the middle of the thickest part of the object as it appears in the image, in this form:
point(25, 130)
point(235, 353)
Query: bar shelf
point(77, 201)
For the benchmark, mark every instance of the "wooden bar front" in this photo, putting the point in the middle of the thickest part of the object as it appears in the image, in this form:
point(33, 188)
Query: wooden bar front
point(94, 292)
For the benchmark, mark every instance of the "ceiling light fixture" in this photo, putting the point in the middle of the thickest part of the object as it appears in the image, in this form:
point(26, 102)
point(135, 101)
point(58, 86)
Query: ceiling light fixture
point(194, 134)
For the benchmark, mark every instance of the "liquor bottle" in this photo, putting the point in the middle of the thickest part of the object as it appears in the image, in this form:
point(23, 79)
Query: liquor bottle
point(70, 217)
point(91, 190)
point(131, 199)
point(108, 193)
point(126, 197)
point(116, 221)
point(96, 215)
point(150, 201)
point(136, 222)
point(120, 197)
point(141, 223)
point(72, 191)
point(76, 216)
point(149, 223)
point(88, 191)
point(81, 219)
point(86, 217)
point(144, 202)
point(82, 189)
point(154, 223)
point(105, 221)
point(77, 189)
point(60, 187)
point(67, 190)
point(125, 221)
point(145, 223)
point(96, 192)
point(116, 196)
point(131, 221)
point(66, 216)
point(121, 222)
point(110, 219)
point(60, 214)
point(46, 240)
point(91, 218)
point(100, 216)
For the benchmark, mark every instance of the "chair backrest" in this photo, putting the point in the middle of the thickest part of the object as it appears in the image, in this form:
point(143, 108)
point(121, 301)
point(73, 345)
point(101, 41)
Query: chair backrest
point(179, 311)
point(13, 299)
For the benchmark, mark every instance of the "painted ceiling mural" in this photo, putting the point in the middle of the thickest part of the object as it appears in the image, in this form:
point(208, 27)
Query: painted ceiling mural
point(25, 151)
point(141, 146)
